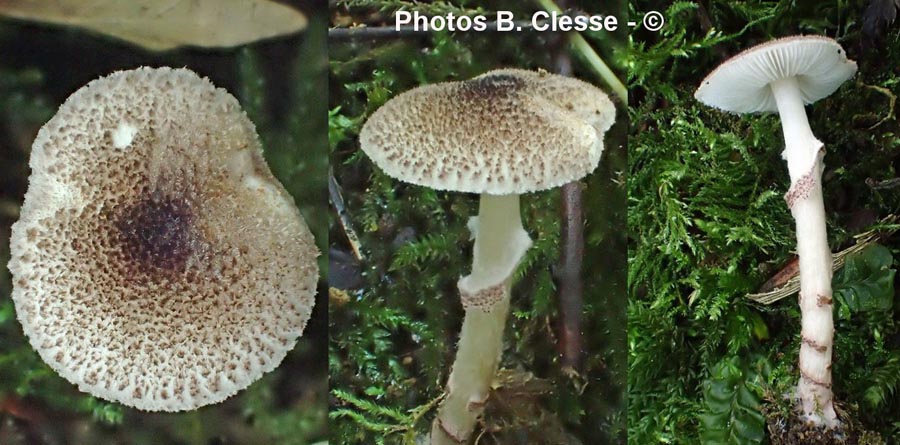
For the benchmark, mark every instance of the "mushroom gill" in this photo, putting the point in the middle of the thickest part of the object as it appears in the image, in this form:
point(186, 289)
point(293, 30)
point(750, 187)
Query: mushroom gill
point(157, 262)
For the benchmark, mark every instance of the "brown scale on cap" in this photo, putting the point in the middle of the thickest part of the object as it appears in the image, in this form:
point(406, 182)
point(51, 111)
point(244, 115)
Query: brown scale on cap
point(507, 131)
point(157, 261)
point(490, 86)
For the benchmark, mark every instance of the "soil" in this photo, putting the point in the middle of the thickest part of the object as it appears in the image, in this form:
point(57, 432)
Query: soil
point(794, 431)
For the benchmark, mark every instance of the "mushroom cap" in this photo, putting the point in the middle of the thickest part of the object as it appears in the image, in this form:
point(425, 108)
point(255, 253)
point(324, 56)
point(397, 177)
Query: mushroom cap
point(507, 131)
point(741, 83)
point(157, 262)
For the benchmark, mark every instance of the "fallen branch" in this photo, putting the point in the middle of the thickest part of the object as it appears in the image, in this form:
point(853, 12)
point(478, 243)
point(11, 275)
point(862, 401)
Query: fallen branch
point(396, 32)
point(791, 285)
point(337, 201)
point(568, 271)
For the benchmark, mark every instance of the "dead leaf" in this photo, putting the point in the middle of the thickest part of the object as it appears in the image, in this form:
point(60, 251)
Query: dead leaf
point(165, 24)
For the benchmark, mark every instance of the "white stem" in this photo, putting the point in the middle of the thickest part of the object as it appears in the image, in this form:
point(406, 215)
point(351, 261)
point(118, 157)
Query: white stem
point(804, 153)
point(500, 243)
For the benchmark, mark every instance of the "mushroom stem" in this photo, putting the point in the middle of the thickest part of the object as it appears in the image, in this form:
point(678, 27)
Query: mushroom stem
point(500, 240)
point(804, 154)
point(500, 243)
point(469, 385)
point(801, 146)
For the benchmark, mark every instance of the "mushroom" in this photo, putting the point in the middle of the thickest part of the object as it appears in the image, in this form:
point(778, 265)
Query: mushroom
point(157, 262)
point(502, 134)
point(783, 76)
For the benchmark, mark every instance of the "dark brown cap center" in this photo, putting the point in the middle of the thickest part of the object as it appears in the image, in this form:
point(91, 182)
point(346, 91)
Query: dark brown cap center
point(492, 85)
point(157, 232)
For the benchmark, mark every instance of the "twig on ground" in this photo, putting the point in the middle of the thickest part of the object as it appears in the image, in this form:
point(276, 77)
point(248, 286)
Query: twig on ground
point(396, 32)
point(337, 201)
point(891, 98)
point(882, 185)
point(792, 284)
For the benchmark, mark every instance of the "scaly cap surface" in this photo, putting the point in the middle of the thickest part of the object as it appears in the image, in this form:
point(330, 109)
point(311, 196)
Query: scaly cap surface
point(157, 261)
point(504, 132)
